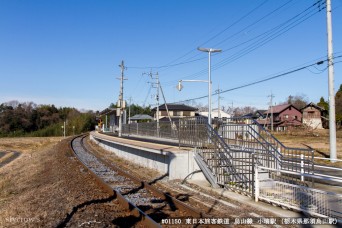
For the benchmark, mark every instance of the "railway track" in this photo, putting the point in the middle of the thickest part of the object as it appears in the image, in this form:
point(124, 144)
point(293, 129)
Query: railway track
point(152, 206)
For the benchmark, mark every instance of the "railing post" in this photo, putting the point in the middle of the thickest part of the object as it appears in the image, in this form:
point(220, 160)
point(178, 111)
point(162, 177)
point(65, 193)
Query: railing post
point(179, 133)
point(256, 179)
point(278, 162)
point(312, 167)
point(302, 167)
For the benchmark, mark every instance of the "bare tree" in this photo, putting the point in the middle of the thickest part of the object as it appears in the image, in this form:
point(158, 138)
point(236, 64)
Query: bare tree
point(299, 101)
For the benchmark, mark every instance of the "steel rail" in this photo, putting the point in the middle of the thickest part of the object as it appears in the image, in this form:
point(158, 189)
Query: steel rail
point(186, 209)
point(177, 203)
point(144, 219)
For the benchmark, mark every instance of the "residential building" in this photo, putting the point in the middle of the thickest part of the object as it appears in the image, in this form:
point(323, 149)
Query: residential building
point(312, 116)
point(285, 117)
point(258, 114)
point(138, 118)
point(176, 111)
point(215, 113)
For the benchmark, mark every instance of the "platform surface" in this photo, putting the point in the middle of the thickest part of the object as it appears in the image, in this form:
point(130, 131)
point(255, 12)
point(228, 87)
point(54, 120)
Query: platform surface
point(142, 144)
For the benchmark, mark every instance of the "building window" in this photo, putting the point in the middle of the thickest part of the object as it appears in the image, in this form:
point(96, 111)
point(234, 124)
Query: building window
point(186, 113)
point(177, 113)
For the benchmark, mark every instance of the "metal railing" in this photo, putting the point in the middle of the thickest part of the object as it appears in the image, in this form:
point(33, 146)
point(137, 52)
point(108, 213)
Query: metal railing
point(233, 168)
point(249, 135)
point(166, 130)
point(309, 200)
point(238, 151)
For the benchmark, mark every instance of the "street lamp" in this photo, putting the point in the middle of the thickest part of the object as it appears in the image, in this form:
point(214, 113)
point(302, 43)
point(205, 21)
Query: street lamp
point(209, 50)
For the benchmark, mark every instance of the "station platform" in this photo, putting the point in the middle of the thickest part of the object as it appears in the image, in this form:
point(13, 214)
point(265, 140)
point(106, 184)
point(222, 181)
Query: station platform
point(176, 162)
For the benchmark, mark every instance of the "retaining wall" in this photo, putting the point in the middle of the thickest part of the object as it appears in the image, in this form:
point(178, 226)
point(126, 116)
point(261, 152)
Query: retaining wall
point(177, 165)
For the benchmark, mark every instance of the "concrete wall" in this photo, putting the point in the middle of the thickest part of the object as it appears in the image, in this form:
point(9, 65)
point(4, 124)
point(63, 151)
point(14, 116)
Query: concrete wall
point(314, 123)
point(177, 165)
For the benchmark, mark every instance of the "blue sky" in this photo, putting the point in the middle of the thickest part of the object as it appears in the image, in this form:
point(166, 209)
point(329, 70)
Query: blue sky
point(67, 52)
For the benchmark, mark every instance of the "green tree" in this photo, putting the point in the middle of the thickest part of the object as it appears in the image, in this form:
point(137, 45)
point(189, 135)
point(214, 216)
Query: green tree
point(136, 109)
point(323, 104)
point(338, 106)
point(17, 119)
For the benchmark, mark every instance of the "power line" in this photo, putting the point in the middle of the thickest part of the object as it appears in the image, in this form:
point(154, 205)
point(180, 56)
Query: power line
point(165, 66)
point(194, 49)
point(263, 80)
point(270, 35)
point(264, 38)
point(245, 51)
point(240, 19)
point(252, 24)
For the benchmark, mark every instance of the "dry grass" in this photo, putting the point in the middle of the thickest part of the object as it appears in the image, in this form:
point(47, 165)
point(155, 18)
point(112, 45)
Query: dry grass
point(317, 140)
point(27, 144)
point(40, 187)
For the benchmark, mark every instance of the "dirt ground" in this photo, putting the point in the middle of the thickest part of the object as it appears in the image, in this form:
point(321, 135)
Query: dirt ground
point(46, 187)
point(317, 140)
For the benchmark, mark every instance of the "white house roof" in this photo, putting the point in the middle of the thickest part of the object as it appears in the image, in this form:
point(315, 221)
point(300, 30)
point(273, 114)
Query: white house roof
point(214, 114)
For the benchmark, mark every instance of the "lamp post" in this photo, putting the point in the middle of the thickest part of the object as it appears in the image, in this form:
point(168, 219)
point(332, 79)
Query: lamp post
point(209, 50)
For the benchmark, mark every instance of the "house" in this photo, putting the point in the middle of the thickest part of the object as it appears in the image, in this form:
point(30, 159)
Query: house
point(216, 114)
point(176, 111)
point(285, 117)
point(312, 116)
point(138, 118)
point(258, 114)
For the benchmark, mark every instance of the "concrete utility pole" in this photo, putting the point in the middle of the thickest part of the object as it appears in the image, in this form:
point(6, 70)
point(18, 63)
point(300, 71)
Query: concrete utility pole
point(332, 117)
point(167, 109)
point(157, 86)
point(157, 98)
point(63, 127)
point(218, 91)
point(121, 101)
point(271, 105)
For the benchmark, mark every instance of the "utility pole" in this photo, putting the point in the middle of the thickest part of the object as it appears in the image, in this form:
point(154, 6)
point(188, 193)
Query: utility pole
point(167, 109)
point(232, 108)
point(157, 86)
point(63, 129)
point(332, 117)
point(271, 105)
point(157, 98)
point(121, 104)
point(218, 91)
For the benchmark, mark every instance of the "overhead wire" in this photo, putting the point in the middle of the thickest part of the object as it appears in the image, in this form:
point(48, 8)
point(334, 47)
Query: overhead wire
point(262, 80)
point(203, 43)
point(265, 38)
point(252, 24)
point(240, 53)
point(148, 94)
point(259, 41)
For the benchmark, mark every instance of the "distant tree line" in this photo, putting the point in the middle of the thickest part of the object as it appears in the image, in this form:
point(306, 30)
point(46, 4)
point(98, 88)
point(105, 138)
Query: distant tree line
point(30, 119)
point(135, 109)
